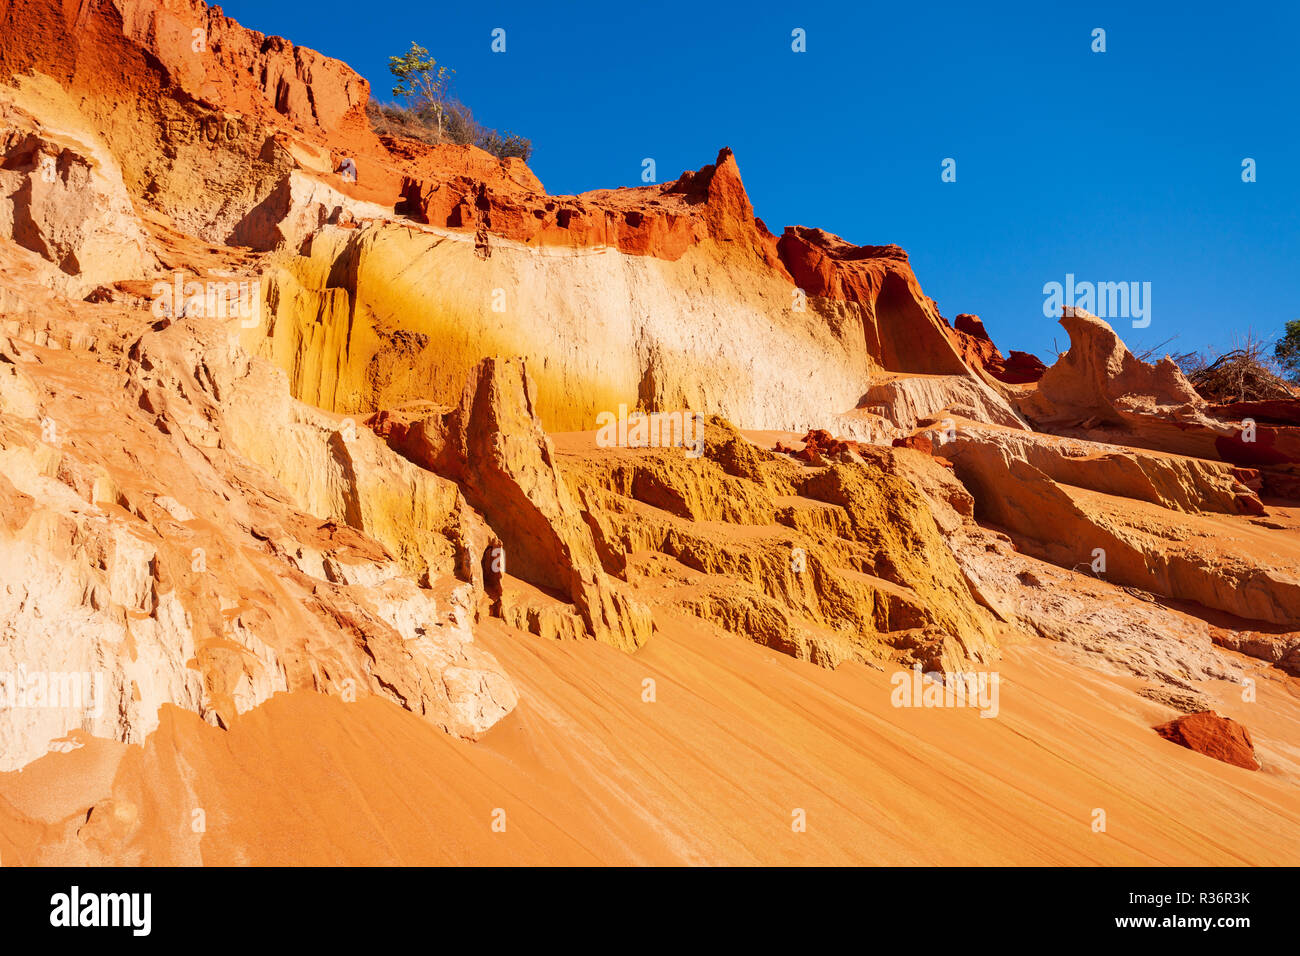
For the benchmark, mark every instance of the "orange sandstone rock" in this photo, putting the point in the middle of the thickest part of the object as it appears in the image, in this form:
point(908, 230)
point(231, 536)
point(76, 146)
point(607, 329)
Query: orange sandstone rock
point(1219, 737)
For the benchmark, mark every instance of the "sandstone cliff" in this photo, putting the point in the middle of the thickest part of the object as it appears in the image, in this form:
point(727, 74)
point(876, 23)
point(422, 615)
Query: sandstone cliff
point(275, 447)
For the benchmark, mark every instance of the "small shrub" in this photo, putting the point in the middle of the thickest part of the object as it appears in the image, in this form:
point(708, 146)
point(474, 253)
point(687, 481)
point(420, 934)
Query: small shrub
point(507, 145)
point(459, 124)
point(389, 119)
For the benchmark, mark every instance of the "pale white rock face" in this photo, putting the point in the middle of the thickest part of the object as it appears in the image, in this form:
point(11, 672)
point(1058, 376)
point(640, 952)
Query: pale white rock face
point(409, 610)
point(368, 574)
point(462, 681)
point(17, 394)
point(597, 327)
point(1114, 630)
point(174, 508)
point(108, 654)
point(297, 207)
point(259, 679)
point(159, 668)
point(907, 400)
point(131, 572)
point(62, 195)
point(337, 470)
point(479, 696)
point(111, 610)
point(1172, 481)
point(48, 628)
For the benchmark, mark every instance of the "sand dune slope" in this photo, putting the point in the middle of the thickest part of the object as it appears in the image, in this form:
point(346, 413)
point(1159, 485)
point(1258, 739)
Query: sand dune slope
point(738, 738)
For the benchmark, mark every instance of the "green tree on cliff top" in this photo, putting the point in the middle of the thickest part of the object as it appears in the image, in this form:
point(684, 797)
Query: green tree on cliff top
point(421, 80)
point(1287, 350)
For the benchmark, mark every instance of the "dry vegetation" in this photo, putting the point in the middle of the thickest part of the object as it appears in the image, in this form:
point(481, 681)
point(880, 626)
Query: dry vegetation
point(457, 126)
point(1248, 373)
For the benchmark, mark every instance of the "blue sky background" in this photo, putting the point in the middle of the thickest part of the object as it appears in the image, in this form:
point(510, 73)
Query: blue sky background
point(1115, 166)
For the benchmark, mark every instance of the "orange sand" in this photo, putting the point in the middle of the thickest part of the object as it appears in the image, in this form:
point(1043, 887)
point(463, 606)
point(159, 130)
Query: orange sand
point(711, 772)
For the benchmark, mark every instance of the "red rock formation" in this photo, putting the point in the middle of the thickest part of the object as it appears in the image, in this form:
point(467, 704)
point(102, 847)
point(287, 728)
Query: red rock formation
point(921, 443)
point(820, 447)
point(1274, 412)
point(1265, 437)
point(1099, 378)
point(364, 562)
point(1219, 737)
point(1101, 389)
point(204, 54)
point(661, 220)
point(178, 90)
point(235, 135)
point(1020, 368)
point(903, 327)
point(973, 342)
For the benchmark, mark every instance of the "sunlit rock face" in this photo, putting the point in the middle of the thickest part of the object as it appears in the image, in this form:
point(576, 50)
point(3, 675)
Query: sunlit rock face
point(342, 497)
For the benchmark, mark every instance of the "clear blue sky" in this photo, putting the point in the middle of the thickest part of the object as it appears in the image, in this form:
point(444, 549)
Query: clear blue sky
point(1115, 166)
